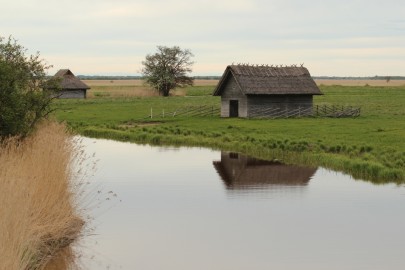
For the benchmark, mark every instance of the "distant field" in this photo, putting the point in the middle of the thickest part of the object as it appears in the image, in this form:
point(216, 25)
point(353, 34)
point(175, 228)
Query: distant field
point(138, 82)
point(137, 88)
point(361, 82)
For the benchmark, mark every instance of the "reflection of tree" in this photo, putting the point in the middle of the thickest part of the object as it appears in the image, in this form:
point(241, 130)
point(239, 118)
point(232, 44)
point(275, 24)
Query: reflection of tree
point(243, 172)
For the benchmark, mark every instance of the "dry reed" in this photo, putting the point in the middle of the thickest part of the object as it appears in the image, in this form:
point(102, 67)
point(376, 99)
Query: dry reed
point(38, 212)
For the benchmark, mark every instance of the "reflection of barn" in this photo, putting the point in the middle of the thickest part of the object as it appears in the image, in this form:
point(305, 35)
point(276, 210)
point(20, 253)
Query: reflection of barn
point(242, 172)
point(260, 91)
point(72, 87)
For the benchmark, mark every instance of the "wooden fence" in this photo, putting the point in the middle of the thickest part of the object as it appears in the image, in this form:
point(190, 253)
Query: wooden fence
point(189, 111)
point(316, 111)
point(336, 111)
point(280, 113)
point(271, 113)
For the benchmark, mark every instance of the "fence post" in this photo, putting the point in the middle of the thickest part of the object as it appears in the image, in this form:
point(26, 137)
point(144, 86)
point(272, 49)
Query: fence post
point(151, 113)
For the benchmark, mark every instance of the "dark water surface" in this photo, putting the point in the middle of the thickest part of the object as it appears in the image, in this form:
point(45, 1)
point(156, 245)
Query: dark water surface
point(192, 208)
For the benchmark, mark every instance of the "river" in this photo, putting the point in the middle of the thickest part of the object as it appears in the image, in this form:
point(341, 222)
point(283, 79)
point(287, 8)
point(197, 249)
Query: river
point(193, 208)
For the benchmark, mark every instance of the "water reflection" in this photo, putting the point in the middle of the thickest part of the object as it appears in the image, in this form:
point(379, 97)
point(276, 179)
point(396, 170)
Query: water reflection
point(176, 211)
point(240, 172)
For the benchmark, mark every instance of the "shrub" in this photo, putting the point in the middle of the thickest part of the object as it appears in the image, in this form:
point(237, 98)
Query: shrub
point(23, 99)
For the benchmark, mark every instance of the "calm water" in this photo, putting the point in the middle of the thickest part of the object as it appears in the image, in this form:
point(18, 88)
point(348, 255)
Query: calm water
point(165, 208)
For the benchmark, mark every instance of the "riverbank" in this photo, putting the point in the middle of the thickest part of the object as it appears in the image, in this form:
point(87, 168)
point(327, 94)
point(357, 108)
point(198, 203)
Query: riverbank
point(39, 216)
point(369, 147)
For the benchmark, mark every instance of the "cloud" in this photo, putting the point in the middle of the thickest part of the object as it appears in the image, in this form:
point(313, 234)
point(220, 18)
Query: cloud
point(114, 36)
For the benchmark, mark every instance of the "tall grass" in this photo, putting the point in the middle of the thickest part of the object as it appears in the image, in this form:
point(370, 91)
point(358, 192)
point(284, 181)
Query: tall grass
point(38, 212)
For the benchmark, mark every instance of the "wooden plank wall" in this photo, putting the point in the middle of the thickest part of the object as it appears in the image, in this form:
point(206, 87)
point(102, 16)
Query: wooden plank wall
point(73, 94)
point(281, 102)
point(233, 92)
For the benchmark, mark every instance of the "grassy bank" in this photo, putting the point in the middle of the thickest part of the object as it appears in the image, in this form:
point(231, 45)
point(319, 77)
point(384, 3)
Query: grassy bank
point(370, 147)
point(38, 213)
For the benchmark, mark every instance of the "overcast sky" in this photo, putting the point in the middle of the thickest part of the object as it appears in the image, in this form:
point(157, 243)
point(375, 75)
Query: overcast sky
point(112, 37)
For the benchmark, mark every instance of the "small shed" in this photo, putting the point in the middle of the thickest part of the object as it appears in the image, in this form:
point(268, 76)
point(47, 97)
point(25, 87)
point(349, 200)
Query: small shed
point(252, 91)
point(72, 87)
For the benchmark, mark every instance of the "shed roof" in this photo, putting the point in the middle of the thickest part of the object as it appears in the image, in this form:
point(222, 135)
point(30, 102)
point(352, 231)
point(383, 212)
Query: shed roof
point(269, 80)
point(70, 81)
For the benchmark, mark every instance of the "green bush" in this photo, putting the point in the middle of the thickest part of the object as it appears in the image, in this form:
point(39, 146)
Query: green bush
point(23, 100)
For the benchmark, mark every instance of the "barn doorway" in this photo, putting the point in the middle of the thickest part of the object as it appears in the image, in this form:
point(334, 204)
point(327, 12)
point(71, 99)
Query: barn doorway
point(233, 108)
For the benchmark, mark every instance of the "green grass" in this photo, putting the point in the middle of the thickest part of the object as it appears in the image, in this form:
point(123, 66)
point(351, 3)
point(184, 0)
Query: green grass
point(370, 147)
point(199, 90)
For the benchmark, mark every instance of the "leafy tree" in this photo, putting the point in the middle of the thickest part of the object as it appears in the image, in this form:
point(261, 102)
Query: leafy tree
point(23, 100)
point(167, 69)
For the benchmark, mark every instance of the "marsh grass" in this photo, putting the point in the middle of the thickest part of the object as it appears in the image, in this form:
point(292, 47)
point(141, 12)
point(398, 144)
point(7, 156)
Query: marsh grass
point(39, 217)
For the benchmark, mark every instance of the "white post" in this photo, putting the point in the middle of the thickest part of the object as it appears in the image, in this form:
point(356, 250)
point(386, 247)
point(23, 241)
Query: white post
point(151, 113)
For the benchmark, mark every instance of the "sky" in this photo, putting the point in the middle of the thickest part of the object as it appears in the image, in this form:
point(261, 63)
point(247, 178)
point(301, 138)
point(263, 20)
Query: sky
point(112, 37)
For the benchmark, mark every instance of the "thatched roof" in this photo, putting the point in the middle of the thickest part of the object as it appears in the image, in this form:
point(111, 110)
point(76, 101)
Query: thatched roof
point(70, 81)
point(245, 173)
point(269, 80)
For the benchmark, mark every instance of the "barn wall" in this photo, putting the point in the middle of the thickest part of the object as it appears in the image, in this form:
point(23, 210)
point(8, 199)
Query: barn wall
point(232, 92)
point(81, 93)
point(281, 102)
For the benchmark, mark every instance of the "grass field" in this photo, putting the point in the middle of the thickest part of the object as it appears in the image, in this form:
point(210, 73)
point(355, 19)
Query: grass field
point(371, 146)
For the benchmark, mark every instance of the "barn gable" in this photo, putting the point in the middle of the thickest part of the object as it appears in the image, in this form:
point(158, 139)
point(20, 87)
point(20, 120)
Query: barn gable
point(71, 86)
point(264, 87)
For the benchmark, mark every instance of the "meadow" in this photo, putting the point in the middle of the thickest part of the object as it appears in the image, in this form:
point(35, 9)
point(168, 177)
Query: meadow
point(370, 147)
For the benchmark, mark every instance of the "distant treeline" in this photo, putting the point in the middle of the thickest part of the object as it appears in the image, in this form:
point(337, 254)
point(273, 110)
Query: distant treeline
point(97, 77)
point(359, 78)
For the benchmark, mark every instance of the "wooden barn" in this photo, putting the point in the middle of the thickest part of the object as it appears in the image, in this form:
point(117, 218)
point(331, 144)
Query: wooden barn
point(260, 91)
point(72, 87)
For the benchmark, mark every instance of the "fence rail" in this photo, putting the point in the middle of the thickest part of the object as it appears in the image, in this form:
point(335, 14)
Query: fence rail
point(336, 111)
point(258, 113)
point(315, 111)
point(189, 111)
point(280, 113)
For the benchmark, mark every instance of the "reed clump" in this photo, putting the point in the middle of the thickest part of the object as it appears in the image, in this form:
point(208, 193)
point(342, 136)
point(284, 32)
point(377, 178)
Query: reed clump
point(39, 218)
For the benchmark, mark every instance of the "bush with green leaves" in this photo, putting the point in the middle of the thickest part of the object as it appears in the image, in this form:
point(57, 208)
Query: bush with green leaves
point(25, 90)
